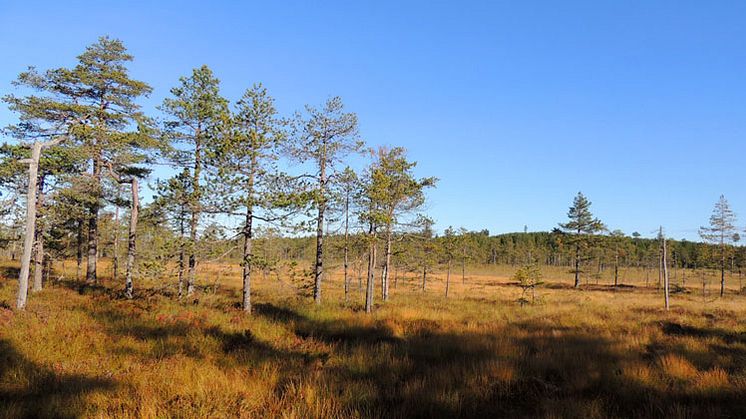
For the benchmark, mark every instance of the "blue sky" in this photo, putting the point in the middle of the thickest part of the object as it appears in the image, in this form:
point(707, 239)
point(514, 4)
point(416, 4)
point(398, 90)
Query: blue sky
point(515, 106)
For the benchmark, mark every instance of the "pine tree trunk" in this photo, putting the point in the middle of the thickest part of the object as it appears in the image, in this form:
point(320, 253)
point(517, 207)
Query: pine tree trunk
point(448, 278)
point(79, 252)
point(360, 276)
point(318, 270)
point(347, 248)
point(115, 261)
point(48, 262)
point(577, 266)
point(39, 239)
point(196, 201)
point(665, 273)
point(28, 240)
point(132, 238)
point(371, 272)
point(192, 259)
point(37, 285)
point(387, 262)
point(247, 256)
point(722, 271)
point(660, 269)
point(182, 253)
point(616, 271)
point(90, 275)
point(463, 268)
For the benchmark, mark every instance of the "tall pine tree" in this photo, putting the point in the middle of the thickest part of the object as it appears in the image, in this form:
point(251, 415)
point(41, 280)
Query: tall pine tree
point(581, 227)
point(196, 115)
point(324, 136)
point(721, 232)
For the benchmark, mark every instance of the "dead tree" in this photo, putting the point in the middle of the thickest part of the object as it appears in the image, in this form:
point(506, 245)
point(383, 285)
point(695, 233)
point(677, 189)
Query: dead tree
point(664, 264)
point(28, 240)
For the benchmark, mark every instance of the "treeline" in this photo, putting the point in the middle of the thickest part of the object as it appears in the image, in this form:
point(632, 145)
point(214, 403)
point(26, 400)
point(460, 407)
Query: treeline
point(477, 249)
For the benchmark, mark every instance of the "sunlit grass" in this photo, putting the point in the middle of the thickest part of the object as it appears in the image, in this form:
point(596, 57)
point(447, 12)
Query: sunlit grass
point(593, 352)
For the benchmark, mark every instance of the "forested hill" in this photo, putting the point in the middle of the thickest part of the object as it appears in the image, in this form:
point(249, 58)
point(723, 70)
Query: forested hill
point(546, 248)
point(555, 248)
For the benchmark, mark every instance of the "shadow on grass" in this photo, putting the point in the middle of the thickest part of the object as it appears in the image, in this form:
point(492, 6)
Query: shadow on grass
point(420, 368)
point(546, 371)
point(678, 329)
point(29, 390)
point(9, 272)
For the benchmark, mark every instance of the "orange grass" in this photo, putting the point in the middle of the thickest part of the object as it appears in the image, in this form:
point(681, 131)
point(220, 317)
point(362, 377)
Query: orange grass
point(594, 352)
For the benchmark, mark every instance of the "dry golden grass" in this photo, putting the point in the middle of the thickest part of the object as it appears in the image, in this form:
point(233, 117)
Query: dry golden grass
point(595, 352)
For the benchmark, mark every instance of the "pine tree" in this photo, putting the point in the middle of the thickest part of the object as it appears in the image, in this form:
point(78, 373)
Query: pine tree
point(618, 244)
point(196, 113)
point(450, 250)
point(721, 232)
point(401, 193)
point(427, 249)
point(90, 107)
point(171, 203)
point(323, 136)
point(349, 186)
point(105, 96)
point(246, 158)
point(581, 226)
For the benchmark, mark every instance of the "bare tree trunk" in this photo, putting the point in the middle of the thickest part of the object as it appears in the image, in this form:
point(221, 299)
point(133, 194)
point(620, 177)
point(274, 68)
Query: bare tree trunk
point(665, 270)
point(196, 201)
point(387, 262)
point(360, 275)
point(37, 285)
point(347, 248)
point(48, 262)
point(92, 257)
point(371, 271)
point(132, 238)
point(182, 253)
point(448, 278)
point(90, 275)
point(39, 239)
point(247, 256)
point(115, 260)
point(577, 265)
point(722, 270)
point(424, 278)
point(463, 267)
point(318, 270)
point(28, 240)
point(616, 271)
point(79, 253)
point(192, 259)
point(660, 268)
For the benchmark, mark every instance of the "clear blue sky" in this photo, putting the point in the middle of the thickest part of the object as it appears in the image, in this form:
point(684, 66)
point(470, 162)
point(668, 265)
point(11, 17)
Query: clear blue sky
point(515, 106)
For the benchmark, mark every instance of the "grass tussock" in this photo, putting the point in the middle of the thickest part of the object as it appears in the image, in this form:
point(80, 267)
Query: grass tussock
point(593, 353)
